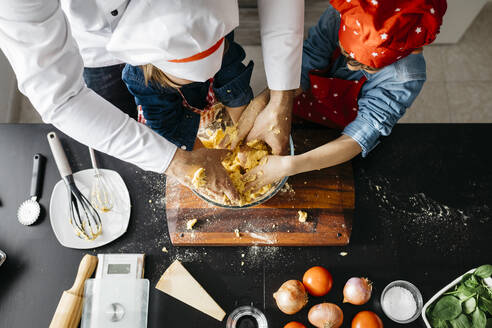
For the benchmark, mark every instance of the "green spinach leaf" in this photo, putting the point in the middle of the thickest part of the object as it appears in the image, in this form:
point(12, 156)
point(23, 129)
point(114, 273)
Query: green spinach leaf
point(479, 320)
point(447, 308)
point(461, 321)
point(469, 305)
point(438, 323)
point(489, 323)
point(471, 282)
point(484, 271)
point(463, 292)
point(485, 305)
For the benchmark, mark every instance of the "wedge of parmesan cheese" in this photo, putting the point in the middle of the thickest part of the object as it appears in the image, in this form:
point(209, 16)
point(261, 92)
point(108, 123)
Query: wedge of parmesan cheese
point(180, 284)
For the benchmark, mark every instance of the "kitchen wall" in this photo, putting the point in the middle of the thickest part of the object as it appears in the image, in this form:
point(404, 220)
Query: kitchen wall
point(458, 18)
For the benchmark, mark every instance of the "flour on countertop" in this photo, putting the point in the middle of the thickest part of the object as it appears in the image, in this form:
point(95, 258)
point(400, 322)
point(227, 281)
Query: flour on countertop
point(422, 219)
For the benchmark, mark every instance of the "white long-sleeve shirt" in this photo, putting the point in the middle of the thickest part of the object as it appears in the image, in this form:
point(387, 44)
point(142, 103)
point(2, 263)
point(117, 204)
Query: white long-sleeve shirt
point(48, 48)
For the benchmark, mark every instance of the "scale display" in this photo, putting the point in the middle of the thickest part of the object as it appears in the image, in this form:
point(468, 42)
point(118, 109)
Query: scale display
point(119, 268)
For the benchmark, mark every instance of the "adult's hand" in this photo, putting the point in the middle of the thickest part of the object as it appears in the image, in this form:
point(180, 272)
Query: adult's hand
point(273, 124)
point(248, 117)
point(218, 183)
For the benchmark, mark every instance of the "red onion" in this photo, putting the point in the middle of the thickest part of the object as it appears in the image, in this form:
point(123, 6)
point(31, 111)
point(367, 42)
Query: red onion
point(357, 291)
point(325, 315)
point(291, 297)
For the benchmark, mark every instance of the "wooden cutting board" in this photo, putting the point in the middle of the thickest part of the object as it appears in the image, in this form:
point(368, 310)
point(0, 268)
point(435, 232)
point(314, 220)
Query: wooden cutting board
point(326, 195)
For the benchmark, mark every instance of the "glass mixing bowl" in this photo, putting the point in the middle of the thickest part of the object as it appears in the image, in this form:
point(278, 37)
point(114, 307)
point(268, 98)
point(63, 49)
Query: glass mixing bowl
point(275, 189)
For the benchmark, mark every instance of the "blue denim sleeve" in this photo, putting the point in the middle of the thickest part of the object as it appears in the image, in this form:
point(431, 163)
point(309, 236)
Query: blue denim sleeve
point(163, 109)
point(384, 99)
point(232, 81)
point(322, 40)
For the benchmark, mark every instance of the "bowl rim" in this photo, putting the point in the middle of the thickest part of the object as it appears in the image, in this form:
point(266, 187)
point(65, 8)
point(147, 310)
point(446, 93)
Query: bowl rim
point(439, 293)
point(257, 202)
point(418, 300)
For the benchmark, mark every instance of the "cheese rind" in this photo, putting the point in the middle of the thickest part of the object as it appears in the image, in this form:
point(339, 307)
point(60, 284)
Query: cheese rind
point(180, 284)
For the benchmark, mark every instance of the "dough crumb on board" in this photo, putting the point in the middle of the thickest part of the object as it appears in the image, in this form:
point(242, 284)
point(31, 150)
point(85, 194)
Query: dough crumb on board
point(274, 129)
point(236, 232)
point(199, 178)
point(343, 253)
point(302, 216)
point(190, 224)
point(164, 250)
point(288, 188)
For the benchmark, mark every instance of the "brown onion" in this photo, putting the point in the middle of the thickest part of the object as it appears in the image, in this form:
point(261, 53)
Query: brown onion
point(326, 315)
point(291, 297)
point(357, 291)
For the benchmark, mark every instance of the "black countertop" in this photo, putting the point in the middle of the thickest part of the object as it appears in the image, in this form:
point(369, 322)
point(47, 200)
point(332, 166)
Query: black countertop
point(422, 214)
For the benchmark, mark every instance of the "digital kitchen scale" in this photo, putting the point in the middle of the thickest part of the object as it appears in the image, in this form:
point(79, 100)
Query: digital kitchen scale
point(118, 296)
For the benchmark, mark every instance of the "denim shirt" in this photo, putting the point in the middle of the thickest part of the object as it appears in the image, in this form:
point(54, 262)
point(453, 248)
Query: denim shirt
point(385, 95)
point(163, 107)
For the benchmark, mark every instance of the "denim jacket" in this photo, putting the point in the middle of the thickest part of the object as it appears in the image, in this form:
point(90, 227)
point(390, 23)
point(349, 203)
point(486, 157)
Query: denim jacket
point(385, 95)
point(163, 107)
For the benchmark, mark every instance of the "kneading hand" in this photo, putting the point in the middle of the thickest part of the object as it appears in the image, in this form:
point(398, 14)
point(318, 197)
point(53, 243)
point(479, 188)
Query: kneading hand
point(248, 117)
point(272, 125)
point(217, 181)
point(273, 169)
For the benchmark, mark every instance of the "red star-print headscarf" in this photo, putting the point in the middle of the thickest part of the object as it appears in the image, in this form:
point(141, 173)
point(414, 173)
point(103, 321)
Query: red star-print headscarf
point(379, 32)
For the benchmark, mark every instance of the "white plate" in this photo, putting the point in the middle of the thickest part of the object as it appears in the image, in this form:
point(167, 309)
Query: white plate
point(114, 222)
point(438, 294)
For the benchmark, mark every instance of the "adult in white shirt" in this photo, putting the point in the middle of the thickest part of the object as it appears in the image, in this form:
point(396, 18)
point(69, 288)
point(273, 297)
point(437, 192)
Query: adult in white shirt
point(48, 49)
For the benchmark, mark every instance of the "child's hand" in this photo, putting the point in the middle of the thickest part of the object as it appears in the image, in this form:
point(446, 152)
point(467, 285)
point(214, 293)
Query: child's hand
point(274, 169)
point(218, 183)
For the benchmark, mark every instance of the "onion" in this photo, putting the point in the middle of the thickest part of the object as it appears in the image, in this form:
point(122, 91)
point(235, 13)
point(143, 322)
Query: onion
point(357, 291)
point(291, 297)
point(325, 315)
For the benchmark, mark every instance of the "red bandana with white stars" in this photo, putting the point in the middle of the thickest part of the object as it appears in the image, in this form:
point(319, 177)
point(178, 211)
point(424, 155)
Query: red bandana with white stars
point(379, 32)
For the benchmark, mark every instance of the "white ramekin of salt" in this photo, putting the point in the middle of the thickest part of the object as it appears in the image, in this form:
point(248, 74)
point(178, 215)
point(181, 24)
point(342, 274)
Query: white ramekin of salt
point(401, 301)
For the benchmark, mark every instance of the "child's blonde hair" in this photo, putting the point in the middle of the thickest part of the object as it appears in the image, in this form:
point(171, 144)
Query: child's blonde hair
point(154, 74)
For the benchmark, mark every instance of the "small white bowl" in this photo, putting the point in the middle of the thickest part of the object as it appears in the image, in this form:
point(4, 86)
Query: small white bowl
point(438, 294)
point(415, 293)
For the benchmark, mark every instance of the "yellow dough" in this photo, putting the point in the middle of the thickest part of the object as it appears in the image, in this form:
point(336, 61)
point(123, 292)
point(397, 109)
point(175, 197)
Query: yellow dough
point(216, 137)
point(240, 161)
point(199, 178)
point(190, 224)
point(302, 216)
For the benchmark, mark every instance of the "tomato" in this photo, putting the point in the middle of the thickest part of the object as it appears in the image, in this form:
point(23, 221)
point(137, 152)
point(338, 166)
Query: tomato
point(294, 324)
point(367, 319)
point(318, 281)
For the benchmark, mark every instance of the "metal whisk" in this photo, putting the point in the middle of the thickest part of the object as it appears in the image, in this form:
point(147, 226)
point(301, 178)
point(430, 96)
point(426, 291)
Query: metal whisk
point(83, 217)
point(101, 193)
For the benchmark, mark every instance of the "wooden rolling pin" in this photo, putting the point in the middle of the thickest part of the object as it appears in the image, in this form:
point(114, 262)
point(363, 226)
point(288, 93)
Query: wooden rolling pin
point(69, 309)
